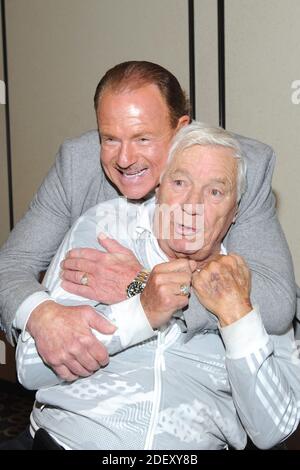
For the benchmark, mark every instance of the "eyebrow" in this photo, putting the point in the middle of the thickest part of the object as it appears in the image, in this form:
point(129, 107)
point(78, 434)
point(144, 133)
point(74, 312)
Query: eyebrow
point(180, 172)
point(188, 174)
point(220, 180)
point(136, 135)
point(141, 133)
point(225, 182)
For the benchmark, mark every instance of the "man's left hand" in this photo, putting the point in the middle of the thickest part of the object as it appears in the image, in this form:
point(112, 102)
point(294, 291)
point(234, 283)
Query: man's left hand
point(223, 287)
point(107, 274)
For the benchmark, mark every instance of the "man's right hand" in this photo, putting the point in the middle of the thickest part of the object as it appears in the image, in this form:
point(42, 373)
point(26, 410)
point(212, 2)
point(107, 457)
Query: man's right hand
point(64, 339)
point(162, 296)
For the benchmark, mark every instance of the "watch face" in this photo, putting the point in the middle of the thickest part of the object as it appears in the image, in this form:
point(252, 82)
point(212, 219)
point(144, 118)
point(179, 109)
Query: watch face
point(135, 287)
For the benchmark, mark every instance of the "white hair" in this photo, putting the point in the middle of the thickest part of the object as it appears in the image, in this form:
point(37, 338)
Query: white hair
point(199, 133)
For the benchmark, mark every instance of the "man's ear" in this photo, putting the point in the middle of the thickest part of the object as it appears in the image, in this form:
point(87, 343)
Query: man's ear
point(182, 122)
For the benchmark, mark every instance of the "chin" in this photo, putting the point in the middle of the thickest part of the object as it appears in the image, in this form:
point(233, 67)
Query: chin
point(139, 191)
point(187, 248)
point(134, 193)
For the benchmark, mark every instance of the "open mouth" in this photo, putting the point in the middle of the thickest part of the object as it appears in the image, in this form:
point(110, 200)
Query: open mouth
point(186, 231)
point(131, 174)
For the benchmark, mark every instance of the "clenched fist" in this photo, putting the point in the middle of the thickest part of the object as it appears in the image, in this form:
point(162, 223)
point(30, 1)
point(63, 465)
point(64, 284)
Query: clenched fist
point(163, 294)
point(223, 287)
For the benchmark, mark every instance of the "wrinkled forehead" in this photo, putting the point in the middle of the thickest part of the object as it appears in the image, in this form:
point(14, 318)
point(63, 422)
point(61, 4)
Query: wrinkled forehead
point(204, 161)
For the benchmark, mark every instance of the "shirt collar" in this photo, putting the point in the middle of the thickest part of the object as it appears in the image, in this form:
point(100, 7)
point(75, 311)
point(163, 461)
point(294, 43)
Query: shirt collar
point(145, 216)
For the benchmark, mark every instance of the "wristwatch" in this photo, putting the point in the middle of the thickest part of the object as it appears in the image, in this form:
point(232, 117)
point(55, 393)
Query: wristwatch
point(138, 284)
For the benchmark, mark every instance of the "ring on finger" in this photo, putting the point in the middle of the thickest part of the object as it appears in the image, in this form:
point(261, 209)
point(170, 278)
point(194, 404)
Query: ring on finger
point(84, 280)
point(184, 289)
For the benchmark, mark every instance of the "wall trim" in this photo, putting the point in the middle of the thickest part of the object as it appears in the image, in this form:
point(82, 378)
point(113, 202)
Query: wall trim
point(7, 117)
point(221, 63)
point(192, 73)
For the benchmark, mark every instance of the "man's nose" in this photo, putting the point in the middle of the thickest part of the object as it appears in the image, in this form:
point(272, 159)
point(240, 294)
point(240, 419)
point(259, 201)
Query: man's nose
point(193, 203)
point(126, 155)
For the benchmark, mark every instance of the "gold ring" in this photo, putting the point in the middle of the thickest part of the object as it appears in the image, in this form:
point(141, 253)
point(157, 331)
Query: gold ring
point(84, 280)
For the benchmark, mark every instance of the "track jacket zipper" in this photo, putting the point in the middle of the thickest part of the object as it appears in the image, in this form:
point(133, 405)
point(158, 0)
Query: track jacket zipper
point(164, 340)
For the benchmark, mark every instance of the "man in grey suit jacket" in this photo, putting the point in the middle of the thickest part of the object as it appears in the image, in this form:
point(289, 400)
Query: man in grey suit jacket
point(140, 106)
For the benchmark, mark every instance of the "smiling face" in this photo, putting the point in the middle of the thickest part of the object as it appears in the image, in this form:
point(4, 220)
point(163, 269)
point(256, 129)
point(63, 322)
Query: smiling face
point(135, 132)
point(200, 186)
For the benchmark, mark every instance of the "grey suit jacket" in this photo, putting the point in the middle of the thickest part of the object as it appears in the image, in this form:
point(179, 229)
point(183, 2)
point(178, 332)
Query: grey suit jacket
point(76, 182)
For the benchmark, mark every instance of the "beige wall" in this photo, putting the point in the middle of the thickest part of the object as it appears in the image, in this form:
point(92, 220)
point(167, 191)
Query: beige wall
point(58, 50)
point(4, 208)
point(206, 61)
point(262, 61)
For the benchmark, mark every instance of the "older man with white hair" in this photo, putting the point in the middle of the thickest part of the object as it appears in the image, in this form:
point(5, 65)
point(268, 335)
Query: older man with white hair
point(166, 387)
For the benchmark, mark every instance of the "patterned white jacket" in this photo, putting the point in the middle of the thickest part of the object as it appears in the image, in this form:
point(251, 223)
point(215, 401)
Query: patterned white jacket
point(165, 389)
